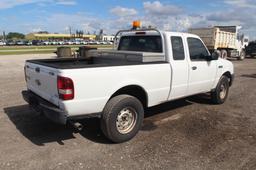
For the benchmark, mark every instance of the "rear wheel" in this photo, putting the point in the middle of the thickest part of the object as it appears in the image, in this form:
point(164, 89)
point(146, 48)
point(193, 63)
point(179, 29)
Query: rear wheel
point(224, 54)
point(219, 53)
point(122, 118)
point(220, 94)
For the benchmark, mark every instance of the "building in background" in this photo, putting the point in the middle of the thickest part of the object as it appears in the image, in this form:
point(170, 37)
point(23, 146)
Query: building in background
point(45, 36)
point(107, 38)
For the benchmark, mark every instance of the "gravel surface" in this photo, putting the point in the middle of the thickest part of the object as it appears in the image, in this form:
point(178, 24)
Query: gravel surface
point(186, 134)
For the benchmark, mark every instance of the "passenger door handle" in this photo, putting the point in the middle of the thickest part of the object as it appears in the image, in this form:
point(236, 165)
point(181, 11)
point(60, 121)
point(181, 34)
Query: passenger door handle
point(194, 68)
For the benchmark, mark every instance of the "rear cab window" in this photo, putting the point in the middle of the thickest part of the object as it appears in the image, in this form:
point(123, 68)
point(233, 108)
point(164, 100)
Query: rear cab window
point(177, 48)
point(142, 43)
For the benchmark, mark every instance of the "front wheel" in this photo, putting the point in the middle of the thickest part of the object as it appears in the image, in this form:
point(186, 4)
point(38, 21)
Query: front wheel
point(220, 94)
point(242, 55)
point(122, 118)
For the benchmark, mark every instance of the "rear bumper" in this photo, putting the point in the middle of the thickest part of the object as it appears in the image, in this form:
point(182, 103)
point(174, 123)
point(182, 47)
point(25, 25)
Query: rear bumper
point(233, 53)
point(51, 111)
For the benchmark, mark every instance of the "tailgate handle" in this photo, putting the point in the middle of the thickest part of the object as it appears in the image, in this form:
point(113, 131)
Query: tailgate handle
point(37, 69)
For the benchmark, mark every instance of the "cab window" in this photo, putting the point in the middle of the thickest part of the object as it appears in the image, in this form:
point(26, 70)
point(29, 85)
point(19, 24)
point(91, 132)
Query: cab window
point(197, 50)
point(148, 43)
point(177, 48)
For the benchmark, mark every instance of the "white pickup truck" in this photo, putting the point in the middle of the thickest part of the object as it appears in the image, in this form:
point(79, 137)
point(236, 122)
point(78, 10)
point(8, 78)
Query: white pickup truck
point(148, 67)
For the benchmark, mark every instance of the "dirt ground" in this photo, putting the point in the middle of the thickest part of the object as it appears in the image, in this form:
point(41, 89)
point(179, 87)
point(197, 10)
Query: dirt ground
point(185, 134)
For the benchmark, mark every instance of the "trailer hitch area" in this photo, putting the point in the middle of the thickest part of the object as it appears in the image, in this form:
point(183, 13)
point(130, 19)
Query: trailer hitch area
point(78, 127)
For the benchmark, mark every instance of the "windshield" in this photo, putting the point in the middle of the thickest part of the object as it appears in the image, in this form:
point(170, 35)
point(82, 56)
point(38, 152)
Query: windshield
point(146, 43)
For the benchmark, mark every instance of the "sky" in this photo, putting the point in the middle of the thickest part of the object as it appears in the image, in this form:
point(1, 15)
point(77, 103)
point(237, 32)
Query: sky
point(28, 16)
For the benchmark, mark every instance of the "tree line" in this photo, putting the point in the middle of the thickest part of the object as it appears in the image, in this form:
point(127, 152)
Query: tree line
point(13, 36)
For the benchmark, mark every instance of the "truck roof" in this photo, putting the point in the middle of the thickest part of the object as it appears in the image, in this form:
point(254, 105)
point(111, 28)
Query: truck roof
point(140, 32)
point(181, 34)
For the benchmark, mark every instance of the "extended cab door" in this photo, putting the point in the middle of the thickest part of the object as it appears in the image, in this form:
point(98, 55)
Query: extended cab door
point(202, 72)
point(180, 67)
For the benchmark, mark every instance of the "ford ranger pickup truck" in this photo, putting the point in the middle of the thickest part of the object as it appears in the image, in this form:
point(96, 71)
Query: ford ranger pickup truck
point(148, 67)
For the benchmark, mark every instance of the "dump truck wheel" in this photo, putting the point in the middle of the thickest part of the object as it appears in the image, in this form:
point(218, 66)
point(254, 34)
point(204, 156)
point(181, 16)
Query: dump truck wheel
point(224, 54)
point(242, 55)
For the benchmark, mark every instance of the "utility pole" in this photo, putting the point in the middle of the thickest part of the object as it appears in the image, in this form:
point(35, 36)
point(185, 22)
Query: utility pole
point(4, 36)
point(70, 31)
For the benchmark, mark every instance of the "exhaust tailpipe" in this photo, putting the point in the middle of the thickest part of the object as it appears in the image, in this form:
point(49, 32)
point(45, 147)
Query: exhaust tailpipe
point(76, 125)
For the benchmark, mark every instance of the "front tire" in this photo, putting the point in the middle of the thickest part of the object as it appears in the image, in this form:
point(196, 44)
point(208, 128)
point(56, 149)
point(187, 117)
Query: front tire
point(220, 94)
point(242, 55)
point(122, 118)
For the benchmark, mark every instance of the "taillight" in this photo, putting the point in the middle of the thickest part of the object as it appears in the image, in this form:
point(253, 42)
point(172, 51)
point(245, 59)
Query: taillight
point(65, 88)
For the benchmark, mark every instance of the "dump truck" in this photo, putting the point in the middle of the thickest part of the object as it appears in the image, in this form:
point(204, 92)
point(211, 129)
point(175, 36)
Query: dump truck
point(224, 39)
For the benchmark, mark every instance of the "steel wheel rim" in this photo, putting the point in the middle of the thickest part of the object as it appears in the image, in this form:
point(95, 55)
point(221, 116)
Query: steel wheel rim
point(126, 120)
point(223, 91)
point(242, 55)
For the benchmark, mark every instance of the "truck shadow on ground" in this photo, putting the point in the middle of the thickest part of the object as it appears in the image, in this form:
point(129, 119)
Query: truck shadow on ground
point(249, 75)
point(41, 131)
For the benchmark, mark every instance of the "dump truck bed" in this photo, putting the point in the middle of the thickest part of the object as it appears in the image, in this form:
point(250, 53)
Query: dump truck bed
point(216, 37)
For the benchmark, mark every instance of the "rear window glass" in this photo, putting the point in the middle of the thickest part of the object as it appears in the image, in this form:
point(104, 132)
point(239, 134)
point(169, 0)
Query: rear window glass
point(141, 43)
point(177, 48)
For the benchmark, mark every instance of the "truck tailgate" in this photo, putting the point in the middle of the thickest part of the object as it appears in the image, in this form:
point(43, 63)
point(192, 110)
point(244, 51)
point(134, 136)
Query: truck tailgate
point(42, 81)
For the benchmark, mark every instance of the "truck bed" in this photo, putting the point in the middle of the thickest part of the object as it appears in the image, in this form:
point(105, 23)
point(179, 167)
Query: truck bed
point(103, 59)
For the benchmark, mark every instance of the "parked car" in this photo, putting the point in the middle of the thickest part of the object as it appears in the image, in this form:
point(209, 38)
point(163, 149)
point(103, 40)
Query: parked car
point(21, 42)
point(61, 43)
point(46, 43)
point(118, 85)
point(84, 42)
point(2, 43)
point(10, 43)
point(251, 49)
point(29, 43)
point(90, 42)
point(109, 43)
point(37, 42)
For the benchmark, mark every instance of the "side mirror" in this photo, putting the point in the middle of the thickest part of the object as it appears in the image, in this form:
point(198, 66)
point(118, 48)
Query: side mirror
point(215, 55)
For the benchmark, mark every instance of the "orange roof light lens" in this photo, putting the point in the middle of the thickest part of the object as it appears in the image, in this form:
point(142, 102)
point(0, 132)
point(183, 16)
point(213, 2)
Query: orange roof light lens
point(136, 24)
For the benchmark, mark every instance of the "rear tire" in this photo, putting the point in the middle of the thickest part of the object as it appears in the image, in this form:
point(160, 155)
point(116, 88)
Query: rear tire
point(219, 53)
point(224, 54)
point(220, 94)
point(122, 118)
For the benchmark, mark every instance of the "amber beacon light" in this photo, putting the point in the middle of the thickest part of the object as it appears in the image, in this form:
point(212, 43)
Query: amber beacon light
point(136, 24)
